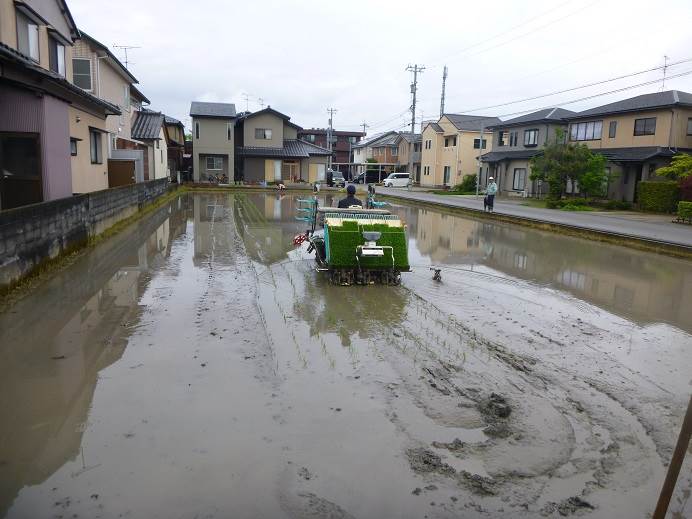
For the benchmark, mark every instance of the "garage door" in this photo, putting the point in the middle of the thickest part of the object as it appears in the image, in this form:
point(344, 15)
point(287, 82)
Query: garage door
point(121, 172)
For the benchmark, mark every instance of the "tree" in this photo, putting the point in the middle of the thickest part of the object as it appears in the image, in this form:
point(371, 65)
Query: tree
point(562, 161)
point(680, 167)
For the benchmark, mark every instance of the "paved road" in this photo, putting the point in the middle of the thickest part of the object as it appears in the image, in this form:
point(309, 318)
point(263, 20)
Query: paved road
point(629, 224)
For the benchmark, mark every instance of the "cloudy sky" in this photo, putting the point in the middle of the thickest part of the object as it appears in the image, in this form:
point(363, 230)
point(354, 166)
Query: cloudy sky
point(303, 57)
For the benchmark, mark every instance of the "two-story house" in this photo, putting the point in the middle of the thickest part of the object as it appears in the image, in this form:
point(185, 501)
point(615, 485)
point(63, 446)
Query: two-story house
point(515, 142)
point(99, 72)
point(268, 150)
point(175, 142)
point(48, 126)
point(637, 136)
point(409, 148)
point(451, 147)
point(148, 127)
point(213, 140)
point(342, 144)
point(363, 149)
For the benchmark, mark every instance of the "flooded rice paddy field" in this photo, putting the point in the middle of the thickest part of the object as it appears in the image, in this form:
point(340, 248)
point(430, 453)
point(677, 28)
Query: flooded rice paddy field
point(195, 365)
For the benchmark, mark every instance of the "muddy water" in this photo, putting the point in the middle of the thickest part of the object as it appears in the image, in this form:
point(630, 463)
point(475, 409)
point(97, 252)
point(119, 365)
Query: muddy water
point(195, 365)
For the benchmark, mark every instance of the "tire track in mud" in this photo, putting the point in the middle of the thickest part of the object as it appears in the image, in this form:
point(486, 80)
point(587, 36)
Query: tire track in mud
point(605, 458)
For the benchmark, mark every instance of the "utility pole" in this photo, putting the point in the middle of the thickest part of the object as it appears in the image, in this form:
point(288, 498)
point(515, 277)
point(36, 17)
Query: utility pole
point(480, 164)
point(126, 48)
point(364, 127)
point(442, 98)
point(414, 86)
point(331, 112)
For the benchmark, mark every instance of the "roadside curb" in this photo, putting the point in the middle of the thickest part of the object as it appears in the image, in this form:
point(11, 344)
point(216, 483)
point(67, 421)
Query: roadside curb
point(627, 240)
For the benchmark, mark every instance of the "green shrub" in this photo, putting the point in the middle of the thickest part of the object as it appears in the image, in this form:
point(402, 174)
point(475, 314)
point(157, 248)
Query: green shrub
point(661, 197)
point(576, 207)
point(685, 210)
point(468, 184)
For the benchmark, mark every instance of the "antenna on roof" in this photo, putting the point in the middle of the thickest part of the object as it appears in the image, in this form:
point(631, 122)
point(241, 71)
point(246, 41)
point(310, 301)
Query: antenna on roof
point(126, 48)
point(261, 102)
point(665, 69)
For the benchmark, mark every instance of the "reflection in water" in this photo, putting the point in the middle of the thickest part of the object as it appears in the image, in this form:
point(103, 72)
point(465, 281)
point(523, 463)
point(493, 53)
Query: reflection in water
point(641, 287)
point(55, 342)
point(51, 364)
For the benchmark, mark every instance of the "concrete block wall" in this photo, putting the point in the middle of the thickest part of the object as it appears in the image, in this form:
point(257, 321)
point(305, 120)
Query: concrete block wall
point(35, 233)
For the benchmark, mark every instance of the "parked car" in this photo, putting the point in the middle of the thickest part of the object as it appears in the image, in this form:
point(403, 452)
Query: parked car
point(373, 177)
point(338, 179)
point(397, 180)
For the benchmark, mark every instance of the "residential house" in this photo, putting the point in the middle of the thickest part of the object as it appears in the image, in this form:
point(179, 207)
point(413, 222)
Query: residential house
point(48, 126)
point(409, 143)
point(342, 144)
point(363, 150)
point(213, 130)
point(148, 127)
point(98, 71)
point(514, 143)
point(175, 142)
point(451, 147)
point(268, 149)
point(637, 136)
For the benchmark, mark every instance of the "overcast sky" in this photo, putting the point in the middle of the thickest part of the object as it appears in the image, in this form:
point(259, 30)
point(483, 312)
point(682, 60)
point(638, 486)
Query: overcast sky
point(303, 57)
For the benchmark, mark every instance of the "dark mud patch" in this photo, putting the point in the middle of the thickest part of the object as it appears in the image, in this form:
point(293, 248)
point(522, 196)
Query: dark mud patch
point(496, 411)
point(424, 461)
point(478, 484)
point(310, 506)
point(456, 446)
point(570, 506)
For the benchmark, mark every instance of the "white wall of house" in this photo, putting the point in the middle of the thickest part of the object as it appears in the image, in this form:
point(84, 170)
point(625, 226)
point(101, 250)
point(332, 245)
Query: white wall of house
point(212, 139)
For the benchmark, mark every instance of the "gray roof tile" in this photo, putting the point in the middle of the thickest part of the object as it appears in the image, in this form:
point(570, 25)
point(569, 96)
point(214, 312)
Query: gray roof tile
point(292, 149)
point(639, 103)
point(556, 115)
point(202, 109)
point(472, 122)
point(147, 125)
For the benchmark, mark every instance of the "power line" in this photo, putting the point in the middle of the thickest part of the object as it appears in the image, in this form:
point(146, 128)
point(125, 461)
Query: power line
point(630, 87)
point(504, 32)
point(587, 85)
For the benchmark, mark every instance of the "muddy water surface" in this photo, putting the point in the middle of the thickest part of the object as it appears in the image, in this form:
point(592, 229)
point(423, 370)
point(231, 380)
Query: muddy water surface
point(195, 365)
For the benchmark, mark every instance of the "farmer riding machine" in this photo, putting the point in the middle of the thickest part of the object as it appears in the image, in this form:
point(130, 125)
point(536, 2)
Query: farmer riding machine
point(355, 245)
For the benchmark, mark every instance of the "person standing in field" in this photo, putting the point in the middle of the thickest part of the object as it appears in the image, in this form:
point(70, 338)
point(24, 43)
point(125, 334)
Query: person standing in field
point(490, 192)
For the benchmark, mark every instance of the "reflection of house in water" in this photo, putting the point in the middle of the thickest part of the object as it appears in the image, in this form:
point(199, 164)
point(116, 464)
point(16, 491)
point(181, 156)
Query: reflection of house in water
point(213, 229)
point(636, 285)
point(56, 342)
point(267, 225)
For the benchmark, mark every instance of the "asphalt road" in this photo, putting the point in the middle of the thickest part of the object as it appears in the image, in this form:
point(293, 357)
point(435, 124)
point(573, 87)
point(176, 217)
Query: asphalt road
point(657, 228)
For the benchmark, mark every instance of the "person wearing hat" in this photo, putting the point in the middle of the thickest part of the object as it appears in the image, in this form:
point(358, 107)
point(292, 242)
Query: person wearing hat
point(490, 192)
point(350, 200)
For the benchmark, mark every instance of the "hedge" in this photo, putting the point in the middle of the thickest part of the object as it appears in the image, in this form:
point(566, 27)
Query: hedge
point(660, 196)
point(685, 210)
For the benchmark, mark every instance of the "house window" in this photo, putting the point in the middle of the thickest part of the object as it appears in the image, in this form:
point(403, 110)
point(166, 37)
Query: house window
point(447, 174)
point(477, 144)
point(450, 141)
point(95, 147)
point(519, 179)
point(501, 139)
point(27, 37)
point(73, 147)
point(309, 138)
point(196, 130)
point(161, 156)
point(395, 152)
point(689, 126)
point(352, 139)
point(589, 131)
point(214, 163)
point(645, 126)
point(157, 144)
point(530, 137)
point(612, 129)
point(81, 73)
point(229, 131)
point(57, 57)
point(263, 134)
point(513, 138)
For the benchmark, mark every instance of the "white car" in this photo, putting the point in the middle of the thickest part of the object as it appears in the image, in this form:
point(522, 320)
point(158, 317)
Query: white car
point(397, 180)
